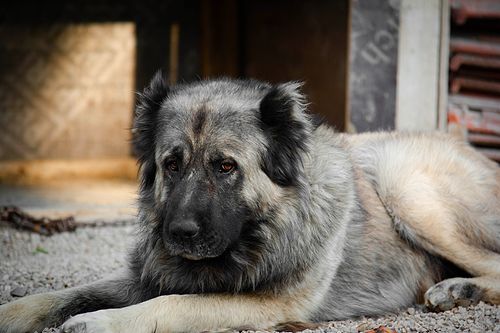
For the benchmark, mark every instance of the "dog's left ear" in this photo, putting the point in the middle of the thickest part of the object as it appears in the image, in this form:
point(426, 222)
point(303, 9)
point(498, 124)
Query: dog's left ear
point(287, 127)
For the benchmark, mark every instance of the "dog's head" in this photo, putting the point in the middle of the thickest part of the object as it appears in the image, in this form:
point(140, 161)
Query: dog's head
point(214, 157)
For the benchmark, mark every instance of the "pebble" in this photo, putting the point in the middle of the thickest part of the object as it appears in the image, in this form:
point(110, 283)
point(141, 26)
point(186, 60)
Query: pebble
point(66, 265)
point(18, 292)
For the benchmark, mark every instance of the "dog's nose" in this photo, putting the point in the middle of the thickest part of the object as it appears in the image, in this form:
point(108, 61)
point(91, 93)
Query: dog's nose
point(184, 228)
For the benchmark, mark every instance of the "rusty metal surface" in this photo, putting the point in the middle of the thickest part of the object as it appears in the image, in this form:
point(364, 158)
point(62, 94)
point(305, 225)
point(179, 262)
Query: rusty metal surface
point(460, 59)
point(489, 104)
point(462, 10)
point(474, 80)
point(481, 128)
point(484, 139)
point(475, 45)
point(488, 74)
point(460, 83)
point(486, 122)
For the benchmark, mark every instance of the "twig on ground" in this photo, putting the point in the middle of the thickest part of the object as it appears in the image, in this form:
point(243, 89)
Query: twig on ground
point(19, 219)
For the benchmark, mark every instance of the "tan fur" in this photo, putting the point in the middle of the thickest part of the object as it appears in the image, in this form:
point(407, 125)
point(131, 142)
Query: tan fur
point(26, 313)
point(491, 288)
point(444, 193)
point(188, 313)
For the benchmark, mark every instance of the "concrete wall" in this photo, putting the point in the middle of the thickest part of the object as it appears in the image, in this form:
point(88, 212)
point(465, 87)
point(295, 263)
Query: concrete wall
point(422, 64)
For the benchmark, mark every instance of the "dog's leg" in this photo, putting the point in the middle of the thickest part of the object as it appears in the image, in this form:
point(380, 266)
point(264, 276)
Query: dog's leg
point(194, 313)
point(462, 231)
point(441, 237)
point(36, 312)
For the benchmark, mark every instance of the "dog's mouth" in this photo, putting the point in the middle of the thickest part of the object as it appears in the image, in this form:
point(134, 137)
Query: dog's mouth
point(199, 255)
point(196, 257)
point(197, 249)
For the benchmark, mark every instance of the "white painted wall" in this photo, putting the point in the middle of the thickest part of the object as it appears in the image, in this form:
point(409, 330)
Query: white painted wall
point(419, 64)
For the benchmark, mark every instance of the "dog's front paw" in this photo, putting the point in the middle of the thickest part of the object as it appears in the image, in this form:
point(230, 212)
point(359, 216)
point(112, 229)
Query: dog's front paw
point(103, 321)
point(107, 321)
point(29, 313)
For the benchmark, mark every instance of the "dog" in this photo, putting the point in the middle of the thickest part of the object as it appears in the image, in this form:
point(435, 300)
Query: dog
point(252, 215)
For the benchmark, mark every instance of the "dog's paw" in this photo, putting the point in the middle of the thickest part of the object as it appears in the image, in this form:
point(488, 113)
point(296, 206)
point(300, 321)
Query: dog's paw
point(28, 314)
point(107, 321)
point(450, 293)
point(102, 321)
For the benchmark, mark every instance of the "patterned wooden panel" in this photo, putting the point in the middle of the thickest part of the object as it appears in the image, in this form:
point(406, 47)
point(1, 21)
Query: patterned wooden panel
point(66, 90)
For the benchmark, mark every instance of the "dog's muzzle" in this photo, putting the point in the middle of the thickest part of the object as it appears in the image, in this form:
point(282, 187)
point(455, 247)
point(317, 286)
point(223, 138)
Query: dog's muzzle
point(189, 240)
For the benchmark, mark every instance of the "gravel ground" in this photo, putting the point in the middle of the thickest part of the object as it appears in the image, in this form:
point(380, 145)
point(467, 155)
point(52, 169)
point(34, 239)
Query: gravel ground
point(30, 263)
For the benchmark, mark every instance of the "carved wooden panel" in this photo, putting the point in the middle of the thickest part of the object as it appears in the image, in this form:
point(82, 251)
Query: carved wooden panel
point(66, 90)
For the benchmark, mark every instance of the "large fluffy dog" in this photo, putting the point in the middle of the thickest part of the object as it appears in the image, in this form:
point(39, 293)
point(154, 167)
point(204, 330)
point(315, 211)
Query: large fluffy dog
point(253, 216)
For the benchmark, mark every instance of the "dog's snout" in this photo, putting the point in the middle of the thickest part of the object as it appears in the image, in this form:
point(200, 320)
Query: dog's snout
point(184, 228)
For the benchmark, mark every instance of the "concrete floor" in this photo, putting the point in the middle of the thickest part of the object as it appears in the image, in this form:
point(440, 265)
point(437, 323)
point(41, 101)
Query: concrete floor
point(86, 200)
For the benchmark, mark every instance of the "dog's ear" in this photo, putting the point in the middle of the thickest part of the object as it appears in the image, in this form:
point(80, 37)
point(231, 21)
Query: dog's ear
point(144, 124)
point(148, 105)
point(287, 127)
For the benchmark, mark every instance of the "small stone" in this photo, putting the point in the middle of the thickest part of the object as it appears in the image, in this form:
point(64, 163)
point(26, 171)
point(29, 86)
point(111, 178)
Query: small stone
point(18, 292)
point(35, 238)
point(362, 327)
point(411, 311)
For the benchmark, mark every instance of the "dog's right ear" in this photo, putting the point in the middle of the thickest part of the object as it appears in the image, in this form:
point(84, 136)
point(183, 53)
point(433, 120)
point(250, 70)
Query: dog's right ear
point(146, 112)
point(144, 124)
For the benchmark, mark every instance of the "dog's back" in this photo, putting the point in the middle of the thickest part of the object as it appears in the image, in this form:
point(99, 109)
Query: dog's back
point(443, 197)
point(436, 181)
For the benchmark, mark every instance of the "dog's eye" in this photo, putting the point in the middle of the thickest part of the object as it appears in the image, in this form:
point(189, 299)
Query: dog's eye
point(172, 166)
point(227, 166)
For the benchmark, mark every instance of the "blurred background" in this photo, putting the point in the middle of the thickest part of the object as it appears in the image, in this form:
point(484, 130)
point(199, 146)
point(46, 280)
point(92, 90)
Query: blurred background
point(69, 71)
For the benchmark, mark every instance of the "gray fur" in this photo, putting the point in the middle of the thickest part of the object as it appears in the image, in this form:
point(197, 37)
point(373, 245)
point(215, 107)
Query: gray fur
point(306, 211)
